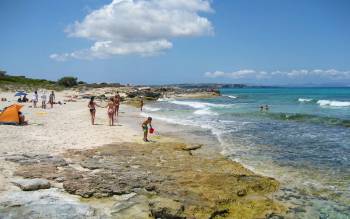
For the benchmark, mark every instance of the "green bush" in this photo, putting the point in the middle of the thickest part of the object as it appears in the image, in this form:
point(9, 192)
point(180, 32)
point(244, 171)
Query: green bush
point(68, 81)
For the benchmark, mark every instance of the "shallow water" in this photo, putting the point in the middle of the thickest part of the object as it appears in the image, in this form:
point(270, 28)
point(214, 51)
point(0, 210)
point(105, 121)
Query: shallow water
point(303, 139)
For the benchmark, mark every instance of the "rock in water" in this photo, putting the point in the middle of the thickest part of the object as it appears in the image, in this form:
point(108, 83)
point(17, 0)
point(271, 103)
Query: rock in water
point(32, 184)
point(192, 147)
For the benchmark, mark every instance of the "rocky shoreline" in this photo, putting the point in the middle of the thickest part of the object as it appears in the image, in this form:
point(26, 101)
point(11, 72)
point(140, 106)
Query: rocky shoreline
point(60, 173)
point(165, 179)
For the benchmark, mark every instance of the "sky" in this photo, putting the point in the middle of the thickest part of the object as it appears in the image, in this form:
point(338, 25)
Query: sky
point(263, 42)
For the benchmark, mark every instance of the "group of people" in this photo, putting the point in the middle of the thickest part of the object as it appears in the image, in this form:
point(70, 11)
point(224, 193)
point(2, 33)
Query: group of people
point(112, 109)
point(113, 113)
point(24, 99)
point(264, 108)
point(43, 97)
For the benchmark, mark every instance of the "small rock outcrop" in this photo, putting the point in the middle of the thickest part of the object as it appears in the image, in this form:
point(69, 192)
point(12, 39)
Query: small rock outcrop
point(192, 147)
point(32, 184)
point(166, 208)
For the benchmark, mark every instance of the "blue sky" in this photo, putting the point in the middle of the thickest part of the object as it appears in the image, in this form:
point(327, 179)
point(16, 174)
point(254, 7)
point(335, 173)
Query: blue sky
point(176, 41)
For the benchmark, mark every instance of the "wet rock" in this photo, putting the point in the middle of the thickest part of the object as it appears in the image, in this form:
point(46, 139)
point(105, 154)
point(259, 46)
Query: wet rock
point(299, 210)
point(192, 147)
point(242, 192)
point(131, 206)
point(32, 184)
point(219, 213)
point(274, 216)
point(166, 208)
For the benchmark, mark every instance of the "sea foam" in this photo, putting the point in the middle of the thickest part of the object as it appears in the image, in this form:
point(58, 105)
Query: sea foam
point(231, 96)
point(305, 100)
point(334, 103)
point(205, 112)
point(151, 109)
point(197, 105)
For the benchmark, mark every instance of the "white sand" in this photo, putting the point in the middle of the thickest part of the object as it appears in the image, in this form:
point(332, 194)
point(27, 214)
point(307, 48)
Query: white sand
point(65, 126)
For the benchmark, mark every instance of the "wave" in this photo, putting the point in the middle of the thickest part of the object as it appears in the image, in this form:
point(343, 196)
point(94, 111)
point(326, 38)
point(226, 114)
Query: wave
point(303, 100)
point(165, 99)
point(205, 112)
point(215, 128)
point(231, 96)
point(197, 105)
point(334, 103)
point(152, 109)
point(177, 121)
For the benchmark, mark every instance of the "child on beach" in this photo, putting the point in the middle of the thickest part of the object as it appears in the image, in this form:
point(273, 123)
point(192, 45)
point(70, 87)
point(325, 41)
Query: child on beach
point(92, 107)
point(145, 128)
point(141, 104)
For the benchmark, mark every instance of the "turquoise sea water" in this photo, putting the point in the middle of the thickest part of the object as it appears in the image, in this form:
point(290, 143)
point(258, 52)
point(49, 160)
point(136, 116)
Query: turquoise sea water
point(303, 140)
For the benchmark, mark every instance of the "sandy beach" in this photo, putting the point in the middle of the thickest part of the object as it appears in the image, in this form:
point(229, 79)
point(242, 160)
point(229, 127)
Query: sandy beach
point(66, 126)
point(109, 172)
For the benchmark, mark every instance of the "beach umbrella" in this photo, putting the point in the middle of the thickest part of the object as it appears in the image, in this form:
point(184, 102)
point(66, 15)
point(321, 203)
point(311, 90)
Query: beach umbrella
point(20, 93)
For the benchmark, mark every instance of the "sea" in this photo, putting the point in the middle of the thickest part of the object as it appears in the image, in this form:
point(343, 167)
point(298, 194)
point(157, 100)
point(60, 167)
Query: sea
point(302, 138)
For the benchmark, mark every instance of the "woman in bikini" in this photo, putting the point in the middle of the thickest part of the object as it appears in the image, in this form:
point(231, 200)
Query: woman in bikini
point(111, 110)
point(92, 106)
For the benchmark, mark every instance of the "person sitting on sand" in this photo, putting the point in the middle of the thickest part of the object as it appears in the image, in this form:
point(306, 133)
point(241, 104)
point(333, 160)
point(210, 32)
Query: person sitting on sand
point(145, 128)
point(22, 120)
point(25, 99)
point(52, 99)
point(92, 107)
point(110, 111)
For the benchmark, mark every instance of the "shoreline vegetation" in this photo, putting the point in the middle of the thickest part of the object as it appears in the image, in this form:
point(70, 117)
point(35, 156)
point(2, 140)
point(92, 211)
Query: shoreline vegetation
point(61, 166)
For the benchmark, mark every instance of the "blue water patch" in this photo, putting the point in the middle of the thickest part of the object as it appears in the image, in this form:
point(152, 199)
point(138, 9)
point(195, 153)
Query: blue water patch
point(302, 139)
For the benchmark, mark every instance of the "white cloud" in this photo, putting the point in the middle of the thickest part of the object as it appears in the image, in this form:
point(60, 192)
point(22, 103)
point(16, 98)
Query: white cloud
point(330, 74)
point(143, 27)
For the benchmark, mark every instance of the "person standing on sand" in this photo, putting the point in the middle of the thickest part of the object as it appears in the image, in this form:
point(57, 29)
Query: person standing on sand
point(52, 99)
point(92, 107)
point(110, 111)
point(141, 104)
point(144, 126)
point(117, 104)
point(43, 100)
point(35, 98)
